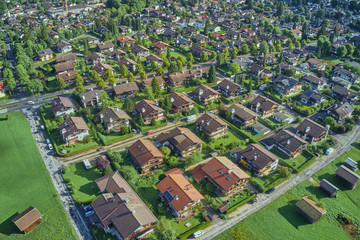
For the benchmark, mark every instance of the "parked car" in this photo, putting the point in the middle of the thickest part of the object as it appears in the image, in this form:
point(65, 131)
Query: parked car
point(270, 190)
point(31, 102)
point(89, 213)
point(254, 200)
point(198, 233)
point(50, 146)
point(47, 141)
point(329, 151)
point(149, 132)
point(99, 149)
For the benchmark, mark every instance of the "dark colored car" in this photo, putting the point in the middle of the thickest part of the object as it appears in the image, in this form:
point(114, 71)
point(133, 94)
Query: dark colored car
point(270, 190)
point(254, 200)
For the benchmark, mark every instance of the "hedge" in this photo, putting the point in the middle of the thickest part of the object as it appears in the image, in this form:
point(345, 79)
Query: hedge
point(239, 131)
point(188, 233)
point(239, 204)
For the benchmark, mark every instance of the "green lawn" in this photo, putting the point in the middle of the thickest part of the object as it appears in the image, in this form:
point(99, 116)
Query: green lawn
point(173, 54)
point(82, 180)
point(281, 219)
point(25, 182)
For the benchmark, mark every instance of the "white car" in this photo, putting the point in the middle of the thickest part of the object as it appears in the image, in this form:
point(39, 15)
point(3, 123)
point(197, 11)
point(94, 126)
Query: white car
point(31, 102)
point(50, 146)
point(198, 233)
point(47, 141)
point(329, 151)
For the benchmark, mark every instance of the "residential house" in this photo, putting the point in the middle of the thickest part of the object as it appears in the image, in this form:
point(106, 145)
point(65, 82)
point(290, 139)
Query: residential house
point(126, 90)
point(179, 194)
point(206, 95)
point(91, 40)
point(141, 36)
point(200, 39)
point(94, 58)
point(62, 106)
point(258, 71)
point(317, 64)
point(148, 81)
point(120, 204)
point(229, 88)
point(149, 110)
point(157, 29)
point(27, 220)
point(125, 29)
point(191, 31)
point(114, 118)
point(227, 178)
point(45, 54)
point(122, 40)
point(315, 82)
point(309, 209)
point(161, 47)
point(244, 63)
point(90, 98)
point(100, 68)
point(347, 176)
point(182, 42)
point(74, 129)
point(343, 94)
point(270, 59)
point(145, 155)
point(179, 79)
point(105, 47)
point(346, 75)
point(154, 58)
point(66, 71)
point(311, 131)
point(181, 141)
point(311, 98)
point(116, 54)
point(211, 125)
point(196, 50)
point(170, 34)
point(242, 115)
point(286, 143)
point(263, 106)
point(140, 51)
point(340, 111)
point(282, 117)
point(129, 63)
point(297, 32)
point(63, 46)
point(256, 158)
point(286, 85)
point(181, 102)
point(71, 57)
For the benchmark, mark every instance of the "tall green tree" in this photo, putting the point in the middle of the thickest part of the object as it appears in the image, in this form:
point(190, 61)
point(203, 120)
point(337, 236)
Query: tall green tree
point(61, 83)
point(155, 87)
point(212, 74)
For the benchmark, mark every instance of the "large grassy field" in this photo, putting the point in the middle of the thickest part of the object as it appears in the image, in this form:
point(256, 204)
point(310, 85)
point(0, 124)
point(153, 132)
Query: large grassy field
point(25, 182)
point(280, 219)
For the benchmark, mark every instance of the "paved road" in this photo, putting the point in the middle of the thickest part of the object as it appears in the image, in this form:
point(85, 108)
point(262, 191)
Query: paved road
point(345, 143)
point(53, 167)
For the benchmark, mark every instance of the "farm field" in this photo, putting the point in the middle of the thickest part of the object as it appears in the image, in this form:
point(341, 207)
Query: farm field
point(281, 219)
point(23, 172)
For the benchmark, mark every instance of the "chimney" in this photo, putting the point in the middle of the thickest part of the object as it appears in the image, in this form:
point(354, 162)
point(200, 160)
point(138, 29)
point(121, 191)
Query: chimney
point(288, 141)
point(255, 156)
point(83, 97)
point(229, 171)
point(177, 197)
point(133, 211)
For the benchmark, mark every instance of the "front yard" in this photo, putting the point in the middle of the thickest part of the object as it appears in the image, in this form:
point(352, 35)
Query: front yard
point(80, 182)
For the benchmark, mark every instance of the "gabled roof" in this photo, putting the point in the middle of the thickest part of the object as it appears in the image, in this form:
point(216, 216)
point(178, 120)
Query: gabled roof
point(146, 107)
point(263, 103)
point(72, 125)
point(311, 128)
point(126, 87)
point(178, 190)
point(289, 140)
point(204, 91)
point(113, 113)
point(144, 150)
point(328, 187)
point(27, 218)
point(180, 138)
point(210, 123)
point(223, 172)
point(347, 175)
point(229, 85)
point(58, 103)
point(105, 45)
point(179, 99)
point(66, 57)
point(310, 208)
point(64, 66)
point(241, 112)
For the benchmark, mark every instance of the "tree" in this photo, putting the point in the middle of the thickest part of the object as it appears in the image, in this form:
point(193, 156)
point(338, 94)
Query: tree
point(190, 57)
point(244, 48)
point(164, 229)
point(153, 122)
point(124, 71)
point(331, 122)
point(264, 48)
point(253, 49)
point(212, 74)
point(35, 86)
point(108, 74)
point(131, 77)
point(86, 47)
point(149, 93)
point(189, 65)
point(160, 71)
point(350, 49)
point(341, 51)
point(94, 76)
point(290, 72)
point(234, 68)
point(79, 89)
point(112, 81)
point(298, 119)
point(102, 163)
point(107, 171)
point(167, 104)
point(142, 74)
point(165, 150)
point(284, 172)
point(61, 83)
point(204, 57)
point(101, 84)
point(234, 52)
point(155, 87)
point(128, 105)
point(11, 84)
point(141, 120)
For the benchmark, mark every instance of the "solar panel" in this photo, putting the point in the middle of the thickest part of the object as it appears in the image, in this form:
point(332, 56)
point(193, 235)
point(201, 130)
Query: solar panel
point(168, 196)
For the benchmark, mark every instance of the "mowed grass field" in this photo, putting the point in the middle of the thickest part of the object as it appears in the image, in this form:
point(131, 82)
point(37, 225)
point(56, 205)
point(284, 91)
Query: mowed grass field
point(279, 220)
point(25, 182)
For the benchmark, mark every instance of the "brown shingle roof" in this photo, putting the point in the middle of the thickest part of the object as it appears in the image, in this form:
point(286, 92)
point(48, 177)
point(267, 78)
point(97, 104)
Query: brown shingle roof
point(347, 174)
point(144, 150)
point(242, 112)
point(210, 122)
point(125, 88)
point(26, 218)
point(66, 57)
point(146, 107)
point(263, 103)
point(310, 208)
point(65, 66)
point(72, 125)
point(311, 128)
point(105, 45)
point(204, 91)
point(182, 191)
point(223, 172)
point(179, 99)
point(114, 113)
point(258, 155)
point(59, 103)
point(180, 138)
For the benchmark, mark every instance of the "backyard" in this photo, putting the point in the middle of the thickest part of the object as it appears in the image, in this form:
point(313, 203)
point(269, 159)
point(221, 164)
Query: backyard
point(84, 188)
point(24, 173)
point(281, 219)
